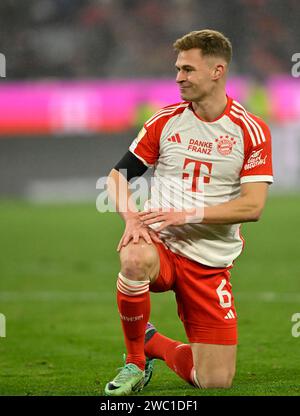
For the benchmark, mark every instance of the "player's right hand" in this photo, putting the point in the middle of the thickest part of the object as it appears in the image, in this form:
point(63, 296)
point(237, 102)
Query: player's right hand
point(136, 229)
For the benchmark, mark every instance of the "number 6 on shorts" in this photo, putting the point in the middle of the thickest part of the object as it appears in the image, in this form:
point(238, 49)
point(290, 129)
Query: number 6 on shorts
point(224, 293)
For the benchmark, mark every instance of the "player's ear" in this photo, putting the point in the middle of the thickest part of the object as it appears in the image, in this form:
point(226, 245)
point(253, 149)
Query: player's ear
point(218, 71)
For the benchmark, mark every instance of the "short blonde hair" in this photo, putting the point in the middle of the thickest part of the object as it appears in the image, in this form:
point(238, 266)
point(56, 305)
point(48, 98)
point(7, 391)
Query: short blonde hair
point(211, 43)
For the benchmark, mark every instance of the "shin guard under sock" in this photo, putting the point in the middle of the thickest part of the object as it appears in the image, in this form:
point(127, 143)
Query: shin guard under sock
point(133, 300)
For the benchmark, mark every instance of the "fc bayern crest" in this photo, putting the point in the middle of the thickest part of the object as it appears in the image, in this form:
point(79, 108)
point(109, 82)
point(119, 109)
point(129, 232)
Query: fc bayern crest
point(225, 145)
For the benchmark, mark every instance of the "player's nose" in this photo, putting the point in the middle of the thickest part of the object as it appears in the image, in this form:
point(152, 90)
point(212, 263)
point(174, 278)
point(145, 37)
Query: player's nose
point(180, 77)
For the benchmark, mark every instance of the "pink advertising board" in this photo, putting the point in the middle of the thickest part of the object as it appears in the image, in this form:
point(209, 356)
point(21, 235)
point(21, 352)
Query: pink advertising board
point(78, 107)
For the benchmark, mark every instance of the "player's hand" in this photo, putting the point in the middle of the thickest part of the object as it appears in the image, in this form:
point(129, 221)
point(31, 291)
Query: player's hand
point(170, 217)
point(134, 230)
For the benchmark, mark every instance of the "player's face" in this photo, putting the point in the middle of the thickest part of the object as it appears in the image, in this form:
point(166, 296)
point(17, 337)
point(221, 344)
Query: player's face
point(194, 74)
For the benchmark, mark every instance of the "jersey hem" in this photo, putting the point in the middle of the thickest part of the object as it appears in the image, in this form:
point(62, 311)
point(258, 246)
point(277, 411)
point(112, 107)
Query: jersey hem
point(202, 263)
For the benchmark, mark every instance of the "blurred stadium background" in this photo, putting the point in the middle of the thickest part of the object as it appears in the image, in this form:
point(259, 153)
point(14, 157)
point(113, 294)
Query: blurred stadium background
point(81, 77)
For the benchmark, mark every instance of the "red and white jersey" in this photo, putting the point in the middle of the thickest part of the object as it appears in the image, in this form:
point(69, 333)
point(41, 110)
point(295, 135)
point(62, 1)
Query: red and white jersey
point(198, 162)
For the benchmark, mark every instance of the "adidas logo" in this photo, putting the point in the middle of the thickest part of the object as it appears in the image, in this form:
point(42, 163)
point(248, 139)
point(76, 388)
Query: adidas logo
point(176, 138)
point(230, 315)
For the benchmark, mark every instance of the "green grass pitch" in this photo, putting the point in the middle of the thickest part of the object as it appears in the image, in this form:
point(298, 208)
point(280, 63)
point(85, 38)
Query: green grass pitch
point(58, 271)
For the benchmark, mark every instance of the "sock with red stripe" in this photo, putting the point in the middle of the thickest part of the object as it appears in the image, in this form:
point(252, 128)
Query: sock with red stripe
point(177, 356)
point(133, 300)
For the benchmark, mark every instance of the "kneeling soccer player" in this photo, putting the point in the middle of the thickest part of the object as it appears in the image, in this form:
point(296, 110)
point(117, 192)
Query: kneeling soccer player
point(211, 151)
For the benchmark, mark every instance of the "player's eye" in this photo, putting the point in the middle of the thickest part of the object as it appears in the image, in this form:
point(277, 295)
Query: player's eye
point(184, 69)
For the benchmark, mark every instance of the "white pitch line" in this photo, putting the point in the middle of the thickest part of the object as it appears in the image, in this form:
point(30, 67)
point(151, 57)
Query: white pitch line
point(268, 297)
point(13, 296)
point(41, 296)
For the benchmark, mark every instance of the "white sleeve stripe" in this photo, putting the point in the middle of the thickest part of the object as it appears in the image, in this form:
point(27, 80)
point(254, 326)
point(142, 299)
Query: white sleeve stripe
point(256, 178)
point(139, 137)
point(164, 112)
point(262, 135)
point(238, 110)
point(159, 112)
point(246, 124)
point(254, 121)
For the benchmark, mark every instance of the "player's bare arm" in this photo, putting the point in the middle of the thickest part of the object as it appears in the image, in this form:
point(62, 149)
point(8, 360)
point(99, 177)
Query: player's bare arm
point(118, 190)
point(247, 207)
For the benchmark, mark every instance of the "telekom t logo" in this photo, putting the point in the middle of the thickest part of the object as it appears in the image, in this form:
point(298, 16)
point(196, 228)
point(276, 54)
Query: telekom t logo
point(201, 169)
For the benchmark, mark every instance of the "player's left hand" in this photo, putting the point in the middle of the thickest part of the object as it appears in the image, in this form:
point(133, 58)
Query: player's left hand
point(170, 217)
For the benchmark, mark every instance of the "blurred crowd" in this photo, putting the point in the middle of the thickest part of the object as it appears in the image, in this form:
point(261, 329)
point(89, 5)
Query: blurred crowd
point(133, 38)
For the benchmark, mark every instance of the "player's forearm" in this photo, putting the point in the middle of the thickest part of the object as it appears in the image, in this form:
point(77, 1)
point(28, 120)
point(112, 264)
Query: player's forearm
point(119, 193)
point(242, 209)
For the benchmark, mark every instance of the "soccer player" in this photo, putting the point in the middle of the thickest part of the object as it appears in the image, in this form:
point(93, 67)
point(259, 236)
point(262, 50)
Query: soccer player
point(213, 155)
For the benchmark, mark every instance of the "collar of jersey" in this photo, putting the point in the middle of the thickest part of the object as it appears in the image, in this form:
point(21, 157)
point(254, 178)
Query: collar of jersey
point(226, 111)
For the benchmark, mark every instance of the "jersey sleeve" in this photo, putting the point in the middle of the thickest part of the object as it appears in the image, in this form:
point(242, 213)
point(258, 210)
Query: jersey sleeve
point(146, 145)
point(257, 166)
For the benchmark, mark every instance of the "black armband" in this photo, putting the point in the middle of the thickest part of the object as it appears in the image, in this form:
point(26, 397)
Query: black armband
point(133, 165)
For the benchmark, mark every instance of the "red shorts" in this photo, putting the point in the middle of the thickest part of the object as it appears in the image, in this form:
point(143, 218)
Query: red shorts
point(203, 295)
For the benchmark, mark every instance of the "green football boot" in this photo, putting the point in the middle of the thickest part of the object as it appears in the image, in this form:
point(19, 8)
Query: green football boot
point(129, 380)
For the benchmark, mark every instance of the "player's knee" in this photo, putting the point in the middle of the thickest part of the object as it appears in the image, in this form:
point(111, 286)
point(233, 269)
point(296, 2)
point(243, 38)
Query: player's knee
point(220, 380)
point(137, 260)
